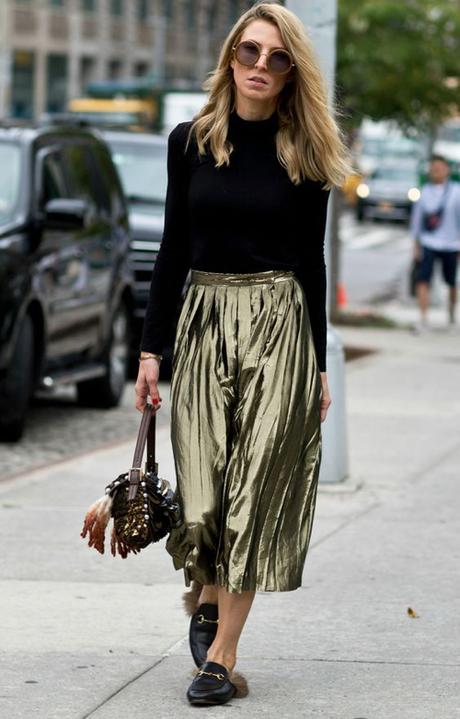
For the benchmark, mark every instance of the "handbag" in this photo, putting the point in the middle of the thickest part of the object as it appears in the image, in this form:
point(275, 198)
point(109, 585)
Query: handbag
point(413, 276)
point(432, 220)
point(142, 505)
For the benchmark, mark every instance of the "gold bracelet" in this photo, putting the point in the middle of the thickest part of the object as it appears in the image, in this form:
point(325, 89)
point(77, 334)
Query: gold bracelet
point(150, 355)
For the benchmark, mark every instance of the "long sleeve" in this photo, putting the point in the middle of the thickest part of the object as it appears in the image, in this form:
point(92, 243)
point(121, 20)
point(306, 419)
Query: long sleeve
point(312, 273)
point(173, 259)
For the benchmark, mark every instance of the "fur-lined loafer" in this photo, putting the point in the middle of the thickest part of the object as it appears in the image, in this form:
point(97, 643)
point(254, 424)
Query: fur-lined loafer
point(203, 629)
point(211, 685)
point(203, 623)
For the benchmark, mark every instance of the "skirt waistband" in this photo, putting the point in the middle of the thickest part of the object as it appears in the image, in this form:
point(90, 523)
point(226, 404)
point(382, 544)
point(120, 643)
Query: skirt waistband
point(200, 277)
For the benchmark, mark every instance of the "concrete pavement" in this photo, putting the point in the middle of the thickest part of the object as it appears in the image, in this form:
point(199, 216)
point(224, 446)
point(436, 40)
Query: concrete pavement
point(84, 635)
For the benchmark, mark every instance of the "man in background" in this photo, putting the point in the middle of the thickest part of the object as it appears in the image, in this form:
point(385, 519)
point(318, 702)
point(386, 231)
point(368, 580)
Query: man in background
point(435, 227)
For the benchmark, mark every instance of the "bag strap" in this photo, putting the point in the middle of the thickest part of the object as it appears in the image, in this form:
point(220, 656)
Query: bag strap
point(443, 200)
point(146, 434)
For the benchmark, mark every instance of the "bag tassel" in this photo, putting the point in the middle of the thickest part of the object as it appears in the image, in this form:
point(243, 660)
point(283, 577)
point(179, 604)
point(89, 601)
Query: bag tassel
point(96, 521)
point(118, 545)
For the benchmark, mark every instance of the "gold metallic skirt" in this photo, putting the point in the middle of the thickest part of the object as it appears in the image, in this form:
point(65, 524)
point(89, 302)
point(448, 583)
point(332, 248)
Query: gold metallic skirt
point(245, 431)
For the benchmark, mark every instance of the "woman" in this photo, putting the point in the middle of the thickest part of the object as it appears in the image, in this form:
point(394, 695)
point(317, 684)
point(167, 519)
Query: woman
point(248, 188)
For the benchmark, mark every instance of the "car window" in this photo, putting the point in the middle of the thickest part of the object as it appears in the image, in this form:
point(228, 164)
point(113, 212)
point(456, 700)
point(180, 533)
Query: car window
point(53, 185)
point(79, 174)
point(142, 169)
point(109, 184)
point(10, 176)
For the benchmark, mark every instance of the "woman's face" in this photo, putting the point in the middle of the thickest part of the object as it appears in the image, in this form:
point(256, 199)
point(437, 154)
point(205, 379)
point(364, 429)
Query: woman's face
point(257, 83)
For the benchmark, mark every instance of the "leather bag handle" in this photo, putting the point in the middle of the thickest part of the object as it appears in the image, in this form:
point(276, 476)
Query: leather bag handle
point(146, 435)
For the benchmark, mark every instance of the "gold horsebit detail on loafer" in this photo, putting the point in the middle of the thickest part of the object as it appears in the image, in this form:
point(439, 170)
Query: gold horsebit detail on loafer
point(201, 619)
point(221, 677)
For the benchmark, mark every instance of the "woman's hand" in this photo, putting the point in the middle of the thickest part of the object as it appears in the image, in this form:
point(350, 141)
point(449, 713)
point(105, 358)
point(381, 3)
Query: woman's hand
point(147, 384)
point(417, 251)
point(326, 397)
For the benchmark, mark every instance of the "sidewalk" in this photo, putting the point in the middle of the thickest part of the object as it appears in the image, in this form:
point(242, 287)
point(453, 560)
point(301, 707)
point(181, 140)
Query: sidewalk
point(90, 636)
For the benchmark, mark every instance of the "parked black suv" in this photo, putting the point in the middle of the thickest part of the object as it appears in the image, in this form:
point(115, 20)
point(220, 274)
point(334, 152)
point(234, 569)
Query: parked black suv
point(65, 283)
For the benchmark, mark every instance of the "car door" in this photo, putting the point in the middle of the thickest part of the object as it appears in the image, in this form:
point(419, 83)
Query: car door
point(61, 275)
point(97, 243)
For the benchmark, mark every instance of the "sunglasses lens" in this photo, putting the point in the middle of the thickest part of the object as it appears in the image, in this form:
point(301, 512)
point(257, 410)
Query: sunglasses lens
point(247, 53)
point(280, 62)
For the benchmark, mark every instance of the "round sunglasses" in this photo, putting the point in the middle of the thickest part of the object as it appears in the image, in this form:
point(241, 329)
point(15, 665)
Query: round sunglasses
point(247, 52)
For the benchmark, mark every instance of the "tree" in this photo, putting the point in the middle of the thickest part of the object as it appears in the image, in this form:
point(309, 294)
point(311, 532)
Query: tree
point(399, 60)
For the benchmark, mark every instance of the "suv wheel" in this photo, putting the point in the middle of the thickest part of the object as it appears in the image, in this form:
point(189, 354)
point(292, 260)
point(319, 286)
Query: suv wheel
point(16, 385)
point(107, 391)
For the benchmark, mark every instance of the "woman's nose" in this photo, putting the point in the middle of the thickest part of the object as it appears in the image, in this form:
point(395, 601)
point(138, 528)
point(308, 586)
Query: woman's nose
point(262, 61)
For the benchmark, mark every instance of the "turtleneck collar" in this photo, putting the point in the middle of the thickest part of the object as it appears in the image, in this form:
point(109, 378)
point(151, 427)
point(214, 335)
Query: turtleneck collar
point(253, 128)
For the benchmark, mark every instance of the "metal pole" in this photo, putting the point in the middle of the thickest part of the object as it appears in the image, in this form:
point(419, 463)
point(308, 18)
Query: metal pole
point(320, 20)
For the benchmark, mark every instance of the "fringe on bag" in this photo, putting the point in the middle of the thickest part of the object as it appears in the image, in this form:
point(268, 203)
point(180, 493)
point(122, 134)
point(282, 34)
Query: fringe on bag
point(95, 524)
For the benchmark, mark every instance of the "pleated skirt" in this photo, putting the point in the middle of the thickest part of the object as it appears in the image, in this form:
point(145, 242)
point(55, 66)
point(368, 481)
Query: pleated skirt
point(245, 430)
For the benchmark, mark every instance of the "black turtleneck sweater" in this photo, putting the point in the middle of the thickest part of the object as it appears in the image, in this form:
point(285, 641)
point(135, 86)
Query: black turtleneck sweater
point(245, 217)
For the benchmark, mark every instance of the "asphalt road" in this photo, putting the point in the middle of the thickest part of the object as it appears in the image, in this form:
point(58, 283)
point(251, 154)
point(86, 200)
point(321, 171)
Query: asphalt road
point(375, 260)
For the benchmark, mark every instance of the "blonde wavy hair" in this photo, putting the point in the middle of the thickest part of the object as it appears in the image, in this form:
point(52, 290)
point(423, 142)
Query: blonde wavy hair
point(309, 142)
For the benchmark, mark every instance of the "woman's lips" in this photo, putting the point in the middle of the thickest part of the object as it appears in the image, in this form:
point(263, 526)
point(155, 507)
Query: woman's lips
point(257, 82)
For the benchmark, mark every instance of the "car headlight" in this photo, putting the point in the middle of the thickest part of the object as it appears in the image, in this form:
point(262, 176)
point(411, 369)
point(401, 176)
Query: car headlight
point(413, 194)
point(362, 190)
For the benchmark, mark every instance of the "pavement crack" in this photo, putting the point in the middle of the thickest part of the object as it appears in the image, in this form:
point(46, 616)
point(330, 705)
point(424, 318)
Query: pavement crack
point(123, 687)
point(134, 679)
point(416, 476)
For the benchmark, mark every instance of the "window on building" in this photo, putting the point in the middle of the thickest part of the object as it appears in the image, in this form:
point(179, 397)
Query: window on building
point(22, 84)
point(233, 11)
point(57, 3)
point(190, 14)
point(56, 83)
point(87, 71)
point(88, 5)
point(114, 69)
point(116, 7)
point(168, 9)
point(141, 69)
point(212, 16)
point(142, 9)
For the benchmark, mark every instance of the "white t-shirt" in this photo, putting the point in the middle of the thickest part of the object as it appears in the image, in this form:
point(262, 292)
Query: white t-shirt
point(447, 235)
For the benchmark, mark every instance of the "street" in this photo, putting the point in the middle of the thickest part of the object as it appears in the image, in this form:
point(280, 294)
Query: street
point(375, 260)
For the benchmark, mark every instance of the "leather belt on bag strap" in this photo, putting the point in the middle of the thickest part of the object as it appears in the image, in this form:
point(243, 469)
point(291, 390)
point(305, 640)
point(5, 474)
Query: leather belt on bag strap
point(146, 434)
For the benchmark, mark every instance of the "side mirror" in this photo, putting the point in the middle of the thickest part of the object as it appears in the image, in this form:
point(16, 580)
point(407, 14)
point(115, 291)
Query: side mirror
point(65, 214)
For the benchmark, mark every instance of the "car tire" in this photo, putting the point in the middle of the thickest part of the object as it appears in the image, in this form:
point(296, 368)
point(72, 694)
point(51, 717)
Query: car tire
point(17, 384)
point(359, 212)
point(106, 391)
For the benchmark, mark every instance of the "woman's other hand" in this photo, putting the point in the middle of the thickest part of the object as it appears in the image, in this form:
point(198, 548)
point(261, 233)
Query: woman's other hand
point(147, 384)
point(326, 397)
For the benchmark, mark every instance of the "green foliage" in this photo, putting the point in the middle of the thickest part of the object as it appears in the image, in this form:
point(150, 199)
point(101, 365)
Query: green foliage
point(396, 60)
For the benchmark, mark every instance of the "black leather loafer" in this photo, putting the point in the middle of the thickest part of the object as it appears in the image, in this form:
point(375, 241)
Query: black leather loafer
point(203, 629)
point(211, 686)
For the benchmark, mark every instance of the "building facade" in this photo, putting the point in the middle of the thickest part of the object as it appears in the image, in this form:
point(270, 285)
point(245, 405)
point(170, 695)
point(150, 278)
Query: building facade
point(50, 49)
